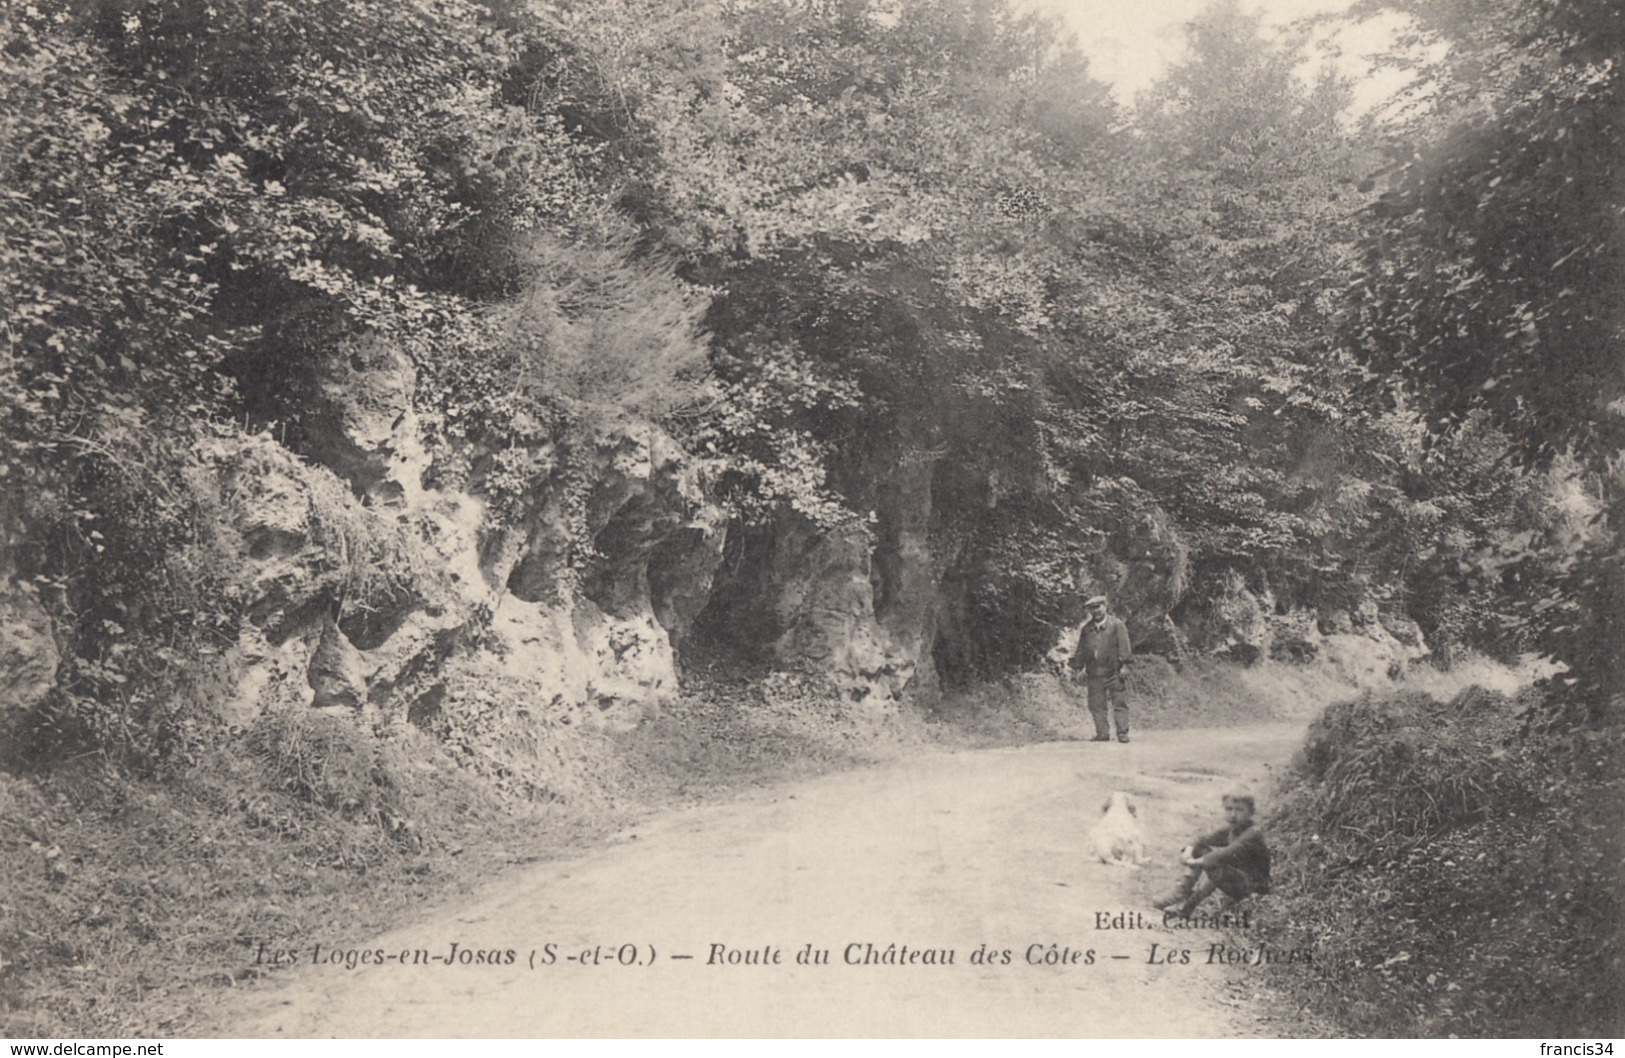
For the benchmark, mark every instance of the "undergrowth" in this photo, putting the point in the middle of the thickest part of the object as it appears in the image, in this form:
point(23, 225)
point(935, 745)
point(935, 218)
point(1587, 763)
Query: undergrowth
point(1454, 877)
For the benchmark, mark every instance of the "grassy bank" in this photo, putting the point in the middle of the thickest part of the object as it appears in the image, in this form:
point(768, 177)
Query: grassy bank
point(1453, 876)
point(132, 906)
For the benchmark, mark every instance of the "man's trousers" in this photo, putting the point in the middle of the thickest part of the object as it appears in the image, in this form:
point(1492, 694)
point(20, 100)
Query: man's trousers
point(1106, 698)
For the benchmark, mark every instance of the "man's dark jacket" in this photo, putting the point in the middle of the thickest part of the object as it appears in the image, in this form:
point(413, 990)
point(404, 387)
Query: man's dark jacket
point(1102, 649)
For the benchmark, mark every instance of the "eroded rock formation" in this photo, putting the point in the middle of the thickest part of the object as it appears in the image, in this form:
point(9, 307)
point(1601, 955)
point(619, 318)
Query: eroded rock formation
point(363, 581)
point(372, 582)
point(28, 654)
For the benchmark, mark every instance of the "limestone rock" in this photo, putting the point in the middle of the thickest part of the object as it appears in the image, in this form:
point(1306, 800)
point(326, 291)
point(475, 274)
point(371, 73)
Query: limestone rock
point(270, 510)
point(537, 643)
point(1059, 657)
point(364, 579)
point(363, 425)
point(264, 673)
point(1237, 625)
point(28, 654)
point(1362, 660)
point(1295, 637)
point(1337, 623)
point(907, 578)
point(682, 569)
point(1407, 632)
point(337, 674)
point(630, 663)
point(860, 607)
point(1366, 617)
point(595, 669)
point(826, 610)
point(607, 654)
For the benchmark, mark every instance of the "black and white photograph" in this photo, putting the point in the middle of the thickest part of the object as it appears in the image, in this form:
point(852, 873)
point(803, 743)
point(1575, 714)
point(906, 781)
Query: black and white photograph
point(812, 519)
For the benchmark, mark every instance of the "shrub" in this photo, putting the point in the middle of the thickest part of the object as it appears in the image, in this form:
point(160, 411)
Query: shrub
point(326, 761)
point(1396, 770)
point(596, 328)
point(126, 560)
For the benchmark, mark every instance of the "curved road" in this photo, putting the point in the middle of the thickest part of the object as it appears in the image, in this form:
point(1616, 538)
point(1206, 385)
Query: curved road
point(950, 851)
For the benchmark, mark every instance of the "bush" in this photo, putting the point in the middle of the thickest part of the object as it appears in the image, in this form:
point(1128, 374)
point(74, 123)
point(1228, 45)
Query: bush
point(326, 761)
point(596, 328)
point(122, 548)
point(1396, 770)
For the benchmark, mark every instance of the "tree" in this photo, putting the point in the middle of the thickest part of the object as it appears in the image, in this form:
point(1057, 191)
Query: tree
point(1492, 263)
point(1233, 411)
point(869, 186)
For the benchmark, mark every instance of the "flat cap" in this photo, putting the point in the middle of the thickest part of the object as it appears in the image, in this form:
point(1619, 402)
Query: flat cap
point(1095, 600)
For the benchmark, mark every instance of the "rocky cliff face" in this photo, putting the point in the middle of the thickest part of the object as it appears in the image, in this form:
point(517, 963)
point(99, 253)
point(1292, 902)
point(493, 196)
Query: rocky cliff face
point(369, 589)
point(1362, 642)
point(372, 583)
point(857, 605)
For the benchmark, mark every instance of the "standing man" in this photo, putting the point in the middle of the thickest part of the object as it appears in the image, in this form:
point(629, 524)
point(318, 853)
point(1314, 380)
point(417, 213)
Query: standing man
point(1103, 653)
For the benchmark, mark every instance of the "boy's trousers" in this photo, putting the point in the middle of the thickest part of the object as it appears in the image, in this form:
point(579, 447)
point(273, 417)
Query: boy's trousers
point(1194, 888)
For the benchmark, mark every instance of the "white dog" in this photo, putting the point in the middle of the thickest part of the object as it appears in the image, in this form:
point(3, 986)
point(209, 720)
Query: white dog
point(1116, 836)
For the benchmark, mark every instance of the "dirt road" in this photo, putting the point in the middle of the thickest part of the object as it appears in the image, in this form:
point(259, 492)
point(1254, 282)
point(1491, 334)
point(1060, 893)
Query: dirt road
point(942, 854)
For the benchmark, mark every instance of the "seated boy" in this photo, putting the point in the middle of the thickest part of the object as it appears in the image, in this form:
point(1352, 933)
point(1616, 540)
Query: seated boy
point(1234, 860)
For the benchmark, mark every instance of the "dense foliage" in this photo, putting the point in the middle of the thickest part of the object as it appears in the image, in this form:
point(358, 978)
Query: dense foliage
point(208, 205)
point(1493, 258)
point(877, 265)
point(944, 252)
